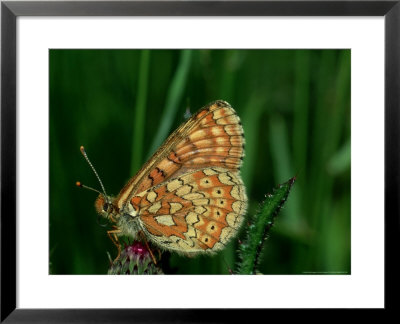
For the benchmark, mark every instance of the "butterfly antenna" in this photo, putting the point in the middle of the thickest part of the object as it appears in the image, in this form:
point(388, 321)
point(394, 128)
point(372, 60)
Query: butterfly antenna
point(95, 172)
point(95, 190)
point(78, 184)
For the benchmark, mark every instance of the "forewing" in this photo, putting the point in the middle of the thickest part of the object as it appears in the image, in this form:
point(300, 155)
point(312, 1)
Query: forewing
point(211, 137)
point(194, 213)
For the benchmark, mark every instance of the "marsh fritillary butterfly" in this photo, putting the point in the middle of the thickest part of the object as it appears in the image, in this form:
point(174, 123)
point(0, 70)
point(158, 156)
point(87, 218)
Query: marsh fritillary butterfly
point(189, 196)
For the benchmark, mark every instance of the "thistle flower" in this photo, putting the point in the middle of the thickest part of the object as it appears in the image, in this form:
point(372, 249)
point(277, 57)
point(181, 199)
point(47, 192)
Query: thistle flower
point(135, 259)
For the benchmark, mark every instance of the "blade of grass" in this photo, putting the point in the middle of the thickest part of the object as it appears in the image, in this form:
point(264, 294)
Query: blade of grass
point(140, 111)
point(340, 161)
point(316, 200)
point(281, 157)
point(232, 61)
point(330, 223)
point(329, 128)
point(174, 97)
point(251, 126)
point(300, 110)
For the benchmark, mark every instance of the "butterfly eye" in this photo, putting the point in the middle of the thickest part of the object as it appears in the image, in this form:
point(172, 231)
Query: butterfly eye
point(106, 206)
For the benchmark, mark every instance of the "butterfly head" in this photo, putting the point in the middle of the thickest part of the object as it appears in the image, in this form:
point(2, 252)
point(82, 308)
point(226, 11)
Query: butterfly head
point(104, 206)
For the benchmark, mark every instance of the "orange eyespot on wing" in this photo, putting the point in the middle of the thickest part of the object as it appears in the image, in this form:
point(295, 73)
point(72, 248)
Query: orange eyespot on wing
point(213, 137)
point(197, 212)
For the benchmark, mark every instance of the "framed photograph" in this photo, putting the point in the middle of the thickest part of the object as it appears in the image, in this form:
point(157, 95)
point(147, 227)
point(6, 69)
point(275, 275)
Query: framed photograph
point(80, 79)
point(151, 139)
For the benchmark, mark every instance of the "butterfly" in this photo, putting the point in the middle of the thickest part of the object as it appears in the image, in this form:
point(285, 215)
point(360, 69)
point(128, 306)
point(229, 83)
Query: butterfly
point(189, 196)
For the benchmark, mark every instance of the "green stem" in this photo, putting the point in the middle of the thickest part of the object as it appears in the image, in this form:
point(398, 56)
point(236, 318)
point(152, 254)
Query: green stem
point(259, 228)
point(140, 111)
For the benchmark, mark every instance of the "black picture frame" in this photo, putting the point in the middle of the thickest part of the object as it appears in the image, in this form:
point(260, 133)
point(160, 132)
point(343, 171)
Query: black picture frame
point(10, 10)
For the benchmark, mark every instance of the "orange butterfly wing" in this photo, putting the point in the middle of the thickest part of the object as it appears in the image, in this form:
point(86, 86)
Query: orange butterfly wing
point(211, 137)
point(189, 196)
point(196, 212)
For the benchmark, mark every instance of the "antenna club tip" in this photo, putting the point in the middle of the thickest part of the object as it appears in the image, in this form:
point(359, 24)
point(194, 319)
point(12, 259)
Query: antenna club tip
point(94, 171)
point(78, 184)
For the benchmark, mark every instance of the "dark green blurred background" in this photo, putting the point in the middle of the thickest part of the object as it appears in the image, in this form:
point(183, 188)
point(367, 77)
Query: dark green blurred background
point(122, 104)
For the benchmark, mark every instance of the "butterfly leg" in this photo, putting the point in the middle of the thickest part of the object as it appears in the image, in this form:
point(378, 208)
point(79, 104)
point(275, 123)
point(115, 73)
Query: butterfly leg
point(148, 247)
point(114, 238)
point(151, 252)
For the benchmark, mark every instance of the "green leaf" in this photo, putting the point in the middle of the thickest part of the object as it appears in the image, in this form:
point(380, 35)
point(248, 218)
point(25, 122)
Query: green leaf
point(259, 228)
